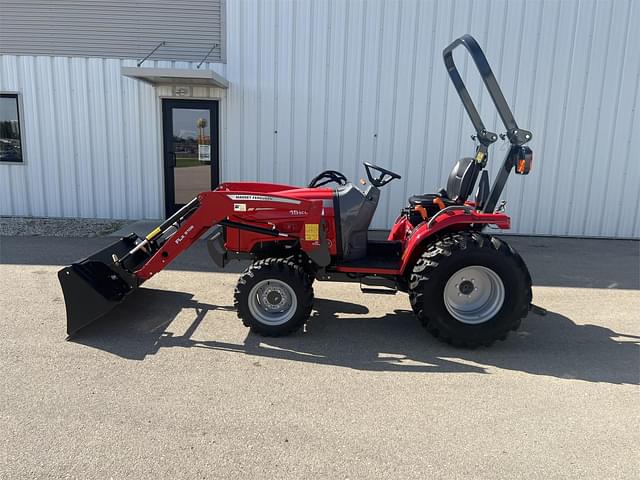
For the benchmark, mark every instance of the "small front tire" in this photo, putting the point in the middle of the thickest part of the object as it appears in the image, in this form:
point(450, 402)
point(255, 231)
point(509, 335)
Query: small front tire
point(274, 297)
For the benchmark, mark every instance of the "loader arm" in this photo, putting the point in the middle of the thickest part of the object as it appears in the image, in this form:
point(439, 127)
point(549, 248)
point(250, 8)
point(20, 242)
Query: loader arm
point(96, 284)
point(235, 209)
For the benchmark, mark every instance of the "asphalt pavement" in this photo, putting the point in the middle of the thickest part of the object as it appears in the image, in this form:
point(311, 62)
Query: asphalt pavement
point(171, 385)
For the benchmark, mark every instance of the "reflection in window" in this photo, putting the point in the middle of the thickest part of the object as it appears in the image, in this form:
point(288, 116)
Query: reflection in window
point(10, 138)
point(191, 137)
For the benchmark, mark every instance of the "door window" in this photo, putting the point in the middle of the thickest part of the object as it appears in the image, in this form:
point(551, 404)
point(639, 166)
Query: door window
point(191, 137)
point(190, 132)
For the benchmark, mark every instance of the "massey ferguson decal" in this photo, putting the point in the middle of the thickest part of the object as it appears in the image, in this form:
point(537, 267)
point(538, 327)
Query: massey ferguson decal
point(262, 198)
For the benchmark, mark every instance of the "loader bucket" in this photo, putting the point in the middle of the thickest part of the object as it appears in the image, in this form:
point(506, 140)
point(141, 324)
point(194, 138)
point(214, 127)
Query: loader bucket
point(94, 285)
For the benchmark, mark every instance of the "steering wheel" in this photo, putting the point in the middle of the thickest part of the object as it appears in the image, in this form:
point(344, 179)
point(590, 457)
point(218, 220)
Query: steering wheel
point(385, 175)
point(328, 176)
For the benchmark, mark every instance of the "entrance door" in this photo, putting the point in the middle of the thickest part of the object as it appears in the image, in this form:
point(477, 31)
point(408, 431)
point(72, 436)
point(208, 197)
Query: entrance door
point(190, 133)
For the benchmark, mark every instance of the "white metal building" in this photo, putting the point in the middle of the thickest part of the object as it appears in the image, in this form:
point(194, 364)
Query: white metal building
point(301, 86)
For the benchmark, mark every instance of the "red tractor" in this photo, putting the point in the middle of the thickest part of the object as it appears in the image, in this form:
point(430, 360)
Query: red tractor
point(467, 287)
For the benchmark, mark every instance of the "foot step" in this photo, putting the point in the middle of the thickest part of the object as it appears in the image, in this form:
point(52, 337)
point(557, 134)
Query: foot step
point(378, 285)
point(379, 290)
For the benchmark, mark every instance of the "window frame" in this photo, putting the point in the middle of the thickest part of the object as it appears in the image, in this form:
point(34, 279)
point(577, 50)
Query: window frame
point(18, 97)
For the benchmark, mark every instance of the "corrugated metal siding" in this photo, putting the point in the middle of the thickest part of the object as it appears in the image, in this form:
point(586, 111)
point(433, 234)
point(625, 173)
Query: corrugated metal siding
point(329, 84)
point(113, 28)
point(92, 138)
point(344, 82)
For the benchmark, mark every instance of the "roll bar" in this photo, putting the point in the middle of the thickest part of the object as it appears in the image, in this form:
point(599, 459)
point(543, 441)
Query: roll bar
point(515, 135)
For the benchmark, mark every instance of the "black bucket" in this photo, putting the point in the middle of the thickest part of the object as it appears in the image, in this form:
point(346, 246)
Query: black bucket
point(94, 285)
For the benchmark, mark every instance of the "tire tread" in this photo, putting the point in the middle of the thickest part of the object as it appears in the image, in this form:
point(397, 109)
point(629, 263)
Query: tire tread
point(426, 268)
point(278, 268)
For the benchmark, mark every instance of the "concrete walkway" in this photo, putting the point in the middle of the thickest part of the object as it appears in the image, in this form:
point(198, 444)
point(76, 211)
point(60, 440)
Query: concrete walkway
point(171, 385)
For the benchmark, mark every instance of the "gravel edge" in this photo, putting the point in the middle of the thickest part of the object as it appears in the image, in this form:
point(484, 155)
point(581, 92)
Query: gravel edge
point(58, 227)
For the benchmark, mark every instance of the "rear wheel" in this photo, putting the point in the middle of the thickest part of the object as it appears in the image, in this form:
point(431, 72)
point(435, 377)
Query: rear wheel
point(470, 289)
point(274, 297)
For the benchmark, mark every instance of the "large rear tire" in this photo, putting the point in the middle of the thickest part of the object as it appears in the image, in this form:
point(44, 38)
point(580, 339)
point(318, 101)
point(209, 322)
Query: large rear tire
point(274, 297)
point(470, 289)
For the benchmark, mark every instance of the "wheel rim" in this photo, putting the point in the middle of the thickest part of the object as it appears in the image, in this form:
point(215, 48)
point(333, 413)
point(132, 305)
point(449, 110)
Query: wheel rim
point(272, 302)
point(474, 294)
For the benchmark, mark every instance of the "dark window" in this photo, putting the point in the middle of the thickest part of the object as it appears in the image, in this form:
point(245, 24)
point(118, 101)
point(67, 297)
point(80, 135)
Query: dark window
point(10, 131)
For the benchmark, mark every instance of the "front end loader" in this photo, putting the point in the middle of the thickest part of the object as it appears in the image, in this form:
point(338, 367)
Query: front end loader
point(467, 287)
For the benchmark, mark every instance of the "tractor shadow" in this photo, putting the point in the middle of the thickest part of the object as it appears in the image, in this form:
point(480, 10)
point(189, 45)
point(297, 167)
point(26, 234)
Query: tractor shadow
point(551, 345)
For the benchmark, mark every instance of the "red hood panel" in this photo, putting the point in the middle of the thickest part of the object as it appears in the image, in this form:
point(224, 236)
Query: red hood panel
point(288, 190)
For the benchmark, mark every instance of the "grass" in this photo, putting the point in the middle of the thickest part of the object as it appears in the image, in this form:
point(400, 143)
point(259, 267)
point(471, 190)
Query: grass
point(188, 162)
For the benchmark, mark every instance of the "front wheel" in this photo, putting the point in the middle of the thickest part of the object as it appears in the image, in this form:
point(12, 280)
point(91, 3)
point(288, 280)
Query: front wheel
point(274, 297)
point(470, 289)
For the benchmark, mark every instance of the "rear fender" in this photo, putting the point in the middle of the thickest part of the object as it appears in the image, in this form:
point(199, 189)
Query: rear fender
point(453, 221)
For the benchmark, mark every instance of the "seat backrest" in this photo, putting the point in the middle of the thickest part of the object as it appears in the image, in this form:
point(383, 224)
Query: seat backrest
point(462, 179)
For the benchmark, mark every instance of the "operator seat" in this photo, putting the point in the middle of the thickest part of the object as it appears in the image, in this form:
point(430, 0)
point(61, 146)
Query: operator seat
point(460, 185)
